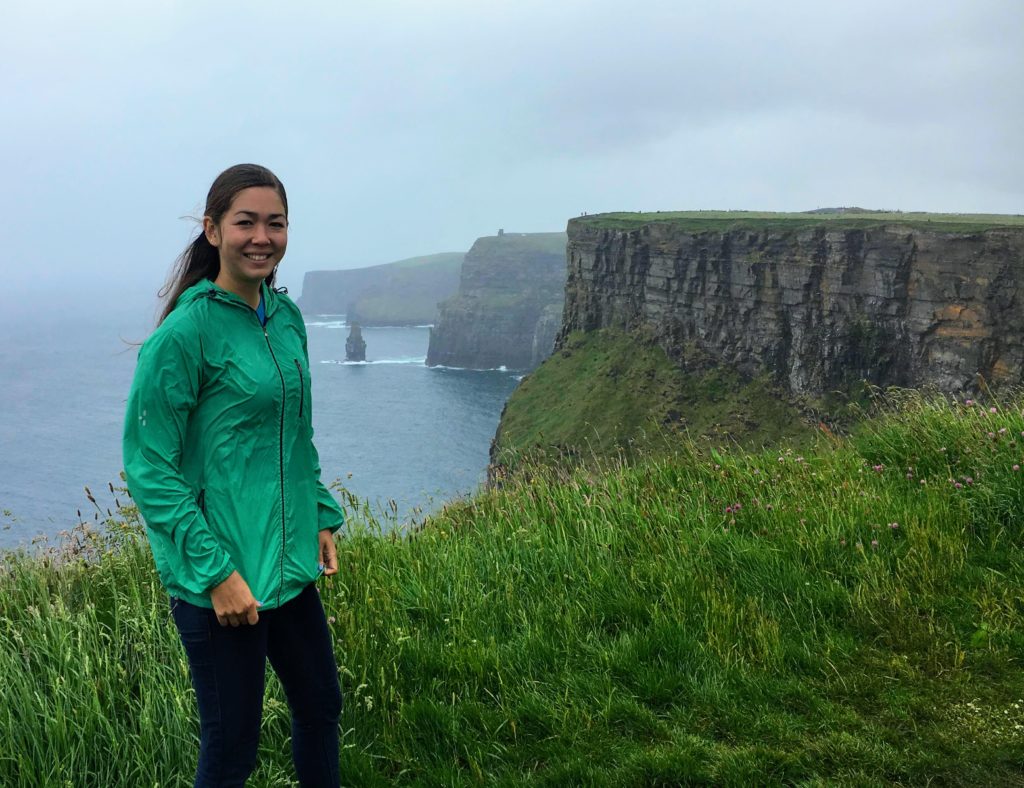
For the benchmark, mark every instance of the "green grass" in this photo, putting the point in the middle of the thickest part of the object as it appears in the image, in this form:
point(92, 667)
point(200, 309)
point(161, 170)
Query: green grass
point(606, 393)
point(720, 221)
point(550, 243)
point(850, 616)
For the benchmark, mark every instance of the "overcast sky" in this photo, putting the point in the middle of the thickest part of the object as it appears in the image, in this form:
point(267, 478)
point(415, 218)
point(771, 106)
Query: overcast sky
point(407, 128)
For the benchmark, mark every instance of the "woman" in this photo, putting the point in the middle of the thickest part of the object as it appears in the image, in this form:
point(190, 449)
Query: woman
point(219, 457)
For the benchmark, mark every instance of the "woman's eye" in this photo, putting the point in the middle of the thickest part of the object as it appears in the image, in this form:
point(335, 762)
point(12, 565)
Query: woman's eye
point(277, 225)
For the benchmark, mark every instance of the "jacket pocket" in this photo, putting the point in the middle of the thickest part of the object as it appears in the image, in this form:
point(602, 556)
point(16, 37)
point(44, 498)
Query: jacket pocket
point(302, 386)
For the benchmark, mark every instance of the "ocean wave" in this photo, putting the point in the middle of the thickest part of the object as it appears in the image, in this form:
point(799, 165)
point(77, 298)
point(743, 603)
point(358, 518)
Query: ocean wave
point(344, 324)
point(502, 368)
point(326, 324)
point(417, 360)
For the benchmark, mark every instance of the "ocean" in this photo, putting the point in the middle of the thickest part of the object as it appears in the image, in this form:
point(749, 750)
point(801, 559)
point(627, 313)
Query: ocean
point(390, 429)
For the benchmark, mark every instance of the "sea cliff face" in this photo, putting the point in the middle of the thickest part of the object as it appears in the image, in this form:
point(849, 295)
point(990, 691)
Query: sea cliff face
point(818, 307)
point(506, 312)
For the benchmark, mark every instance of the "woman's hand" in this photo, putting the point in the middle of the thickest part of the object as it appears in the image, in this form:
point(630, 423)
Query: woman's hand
point(234, 603)
point(328, 553)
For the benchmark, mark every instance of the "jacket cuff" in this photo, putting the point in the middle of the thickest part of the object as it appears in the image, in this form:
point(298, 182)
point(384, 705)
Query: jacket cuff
point(220, 577)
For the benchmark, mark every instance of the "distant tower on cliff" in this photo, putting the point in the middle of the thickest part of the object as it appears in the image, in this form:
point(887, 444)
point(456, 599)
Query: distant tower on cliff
point(355, 345)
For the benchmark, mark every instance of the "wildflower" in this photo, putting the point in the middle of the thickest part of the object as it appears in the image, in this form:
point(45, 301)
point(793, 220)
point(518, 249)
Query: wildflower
point(728, 510)
point(910, 475)
point(958, 486)
point(991, 435)
point(894, 526)
point(878, 468)
point(1002, 430)
point(874, 544)
point(1016, 467)
point(331, 619)
point(769, 507)
point(968, 402)
point(736, 507)
point(842, 543)
point(992, 410)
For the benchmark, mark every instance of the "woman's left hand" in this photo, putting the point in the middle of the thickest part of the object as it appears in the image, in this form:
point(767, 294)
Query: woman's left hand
point(328, 553)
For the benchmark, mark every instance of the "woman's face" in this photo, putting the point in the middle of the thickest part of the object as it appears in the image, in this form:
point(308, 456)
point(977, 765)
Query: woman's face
point(251, 237)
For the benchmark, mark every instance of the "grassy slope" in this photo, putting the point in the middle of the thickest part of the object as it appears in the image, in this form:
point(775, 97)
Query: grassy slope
point(719, 221)
point(704, 618)
point(605, 392)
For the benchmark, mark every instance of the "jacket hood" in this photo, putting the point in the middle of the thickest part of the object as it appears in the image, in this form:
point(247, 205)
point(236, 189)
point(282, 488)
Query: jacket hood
point(207, 288)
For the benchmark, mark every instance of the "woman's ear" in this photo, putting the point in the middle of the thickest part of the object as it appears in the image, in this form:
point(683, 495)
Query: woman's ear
point(210, 231)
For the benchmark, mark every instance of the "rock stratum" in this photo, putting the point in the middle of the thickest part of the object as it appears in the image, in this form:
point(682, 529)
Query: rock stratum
point(817, 302)
point(507, 311)
point(402, 293)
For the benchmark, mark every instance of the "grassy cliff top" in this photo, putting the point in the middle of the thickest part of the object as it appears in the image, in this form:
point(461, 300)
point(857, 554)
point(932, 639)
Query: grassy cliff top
point(718, 221)
point(552, 243)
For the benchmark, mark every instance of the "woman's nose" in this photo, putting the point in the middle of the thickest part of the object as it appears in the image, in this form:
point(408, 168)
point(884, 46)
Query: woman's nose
point(260, 235)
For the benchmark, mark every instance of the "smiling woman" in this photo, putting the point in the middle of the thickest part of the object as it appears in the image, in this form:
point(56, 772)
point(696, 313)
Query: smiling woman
point(218, 455)
point(251, 240)
point(246, 213)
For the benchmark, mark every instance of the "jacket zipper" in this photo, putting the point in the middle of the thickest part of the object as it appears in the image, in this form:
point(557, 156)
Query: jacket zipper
point(280, 450)
point(302, 387)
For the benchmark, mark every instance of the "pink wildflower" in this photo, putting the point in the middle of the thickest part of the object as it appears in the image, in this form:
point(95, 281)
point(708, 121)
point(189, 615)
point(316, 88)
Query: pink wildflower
point(874, 544)
point(968, 402)
point(1016, 467)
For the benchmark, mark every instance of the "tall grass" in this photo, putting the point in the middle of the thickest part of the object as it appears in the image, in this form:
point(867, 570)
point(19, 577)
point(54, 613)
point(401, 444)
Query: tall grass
point(851, 616)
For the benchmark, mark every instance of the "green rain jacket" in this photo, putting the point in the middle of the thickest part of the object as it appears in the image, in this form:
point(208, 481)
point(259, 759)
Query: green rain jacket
point(218, 448)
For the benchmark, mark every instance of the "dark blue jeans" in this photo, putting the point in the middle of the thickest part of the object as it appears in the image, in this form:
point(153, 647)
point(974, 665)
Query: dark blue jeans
point(228, 665)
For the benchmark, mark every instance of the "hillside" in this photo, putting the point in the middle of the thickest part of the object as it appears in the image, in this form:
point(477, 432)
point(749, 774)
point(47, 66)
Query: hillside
point(849, 615)
point(405, 292)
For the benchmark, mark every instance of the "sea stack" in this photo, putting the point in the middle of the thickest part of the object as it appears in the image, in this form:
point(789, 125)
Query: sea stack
point(355, 345)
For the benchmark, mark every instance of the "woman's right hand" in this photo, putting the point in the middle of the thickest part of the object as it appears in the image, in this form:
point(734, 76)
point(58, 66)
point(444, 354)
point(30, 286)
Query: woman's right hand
point(234, 603)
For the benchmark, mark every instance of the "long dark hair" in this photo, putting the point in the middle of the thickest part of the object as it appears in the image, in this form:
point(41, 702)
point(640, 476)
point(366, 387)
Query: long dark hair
point(201, 260)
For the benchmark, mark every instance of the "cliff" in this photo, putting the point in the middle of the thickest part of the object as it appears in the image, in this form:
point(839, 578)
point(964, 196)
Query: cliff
point(744, 327)
point(507, 308)
point(816, 302)
point(406, 292)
